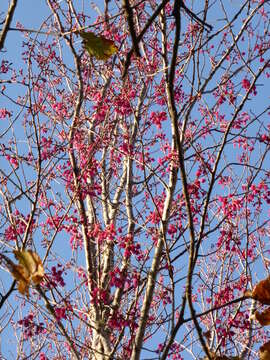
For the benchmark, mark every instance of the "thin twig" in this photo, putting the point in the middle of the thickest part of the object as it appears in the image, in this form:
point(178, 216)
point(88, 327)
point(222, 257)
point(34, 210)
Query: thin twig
point(8, 20)
point(129, 15)
point(140, 36)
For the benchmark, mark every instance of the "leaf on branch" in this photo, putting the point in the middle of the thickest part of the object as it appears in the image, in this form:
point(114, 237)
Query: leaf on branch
point(261, 292)
point(98, 46)
point(29, 269)
point(262, 317)
point(265, 351)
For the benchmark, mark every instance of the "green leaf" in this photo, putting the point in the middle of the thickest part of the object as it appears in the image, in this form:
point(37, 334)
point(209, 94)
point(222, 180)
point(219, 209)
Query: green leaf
point(98, 46)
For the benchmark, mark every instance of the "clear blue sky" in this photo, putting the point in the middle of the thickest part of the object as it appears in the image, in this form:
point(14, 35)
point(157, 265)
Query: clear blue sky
point(30, 13)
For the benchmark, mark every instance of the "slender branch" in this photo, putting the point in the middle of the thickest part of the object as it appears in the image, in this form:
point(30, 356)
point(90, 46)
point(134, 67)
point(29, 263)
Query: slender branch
point(151, 281)
point(7, 23)
point(129, 15)
point(180, 3)
point(140, 36)
point(179, 148)
point(6, 296)
point(59, 323)
point(175, 329)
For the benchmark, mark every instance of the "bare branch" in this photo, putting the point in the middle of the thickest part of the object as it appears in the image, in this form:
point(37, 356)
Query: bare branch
point(7, 23)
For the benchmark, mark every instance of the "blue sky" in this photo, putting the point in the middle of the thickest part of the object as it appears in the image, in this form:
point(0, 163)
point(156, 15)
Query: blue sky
point(30, 13)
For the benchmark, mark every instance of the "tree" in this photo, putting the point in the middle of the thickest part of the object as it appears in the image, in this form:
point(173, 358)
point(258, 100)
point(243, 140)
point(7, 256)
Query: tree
point(140, 181)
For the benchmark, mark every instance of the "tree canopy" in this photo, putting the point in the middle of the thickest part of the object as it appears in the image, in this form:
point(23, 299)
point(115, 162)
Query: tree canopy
point(135, 180)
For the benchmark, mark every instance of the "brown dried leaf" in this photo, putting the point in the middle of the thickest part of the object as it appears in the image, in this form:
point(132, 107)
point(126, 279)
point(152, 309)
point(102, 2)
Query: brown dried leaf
point(262, 317)
point(265, 351)
point(261, 292)
point(29, 269)
point(22, 276)
point(207, 335)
